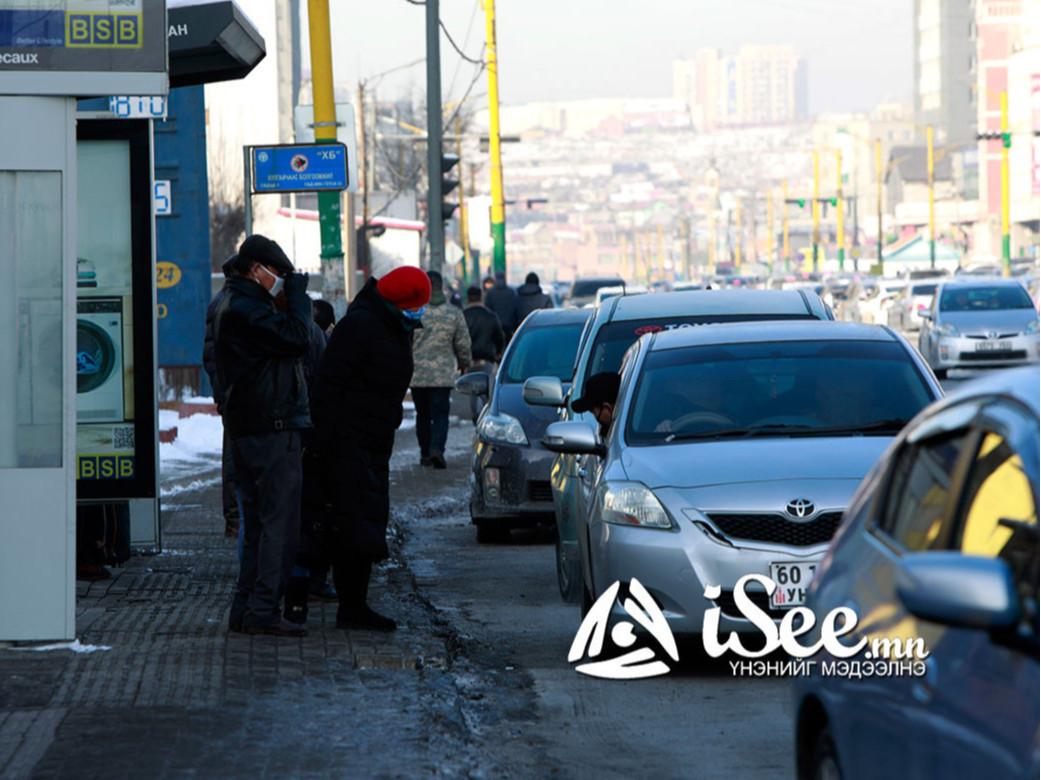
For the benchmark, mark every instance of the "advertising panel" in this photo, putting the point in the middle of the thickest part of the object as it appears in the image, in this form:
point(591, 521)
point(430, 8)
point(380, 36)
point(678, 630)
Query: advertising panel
point(77, 47)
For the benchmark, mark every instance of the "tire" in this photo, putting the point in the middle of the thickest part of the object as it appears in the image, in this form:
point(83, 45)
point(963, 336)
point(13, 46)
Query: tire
point(824, 763)
point(587, 601)
point(568, 577)
point(491, 531)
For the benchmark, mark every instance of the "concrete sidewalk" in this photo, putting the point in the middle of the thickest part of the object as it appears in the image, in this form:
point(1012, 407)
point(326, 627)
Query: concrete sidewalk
point(174, 694)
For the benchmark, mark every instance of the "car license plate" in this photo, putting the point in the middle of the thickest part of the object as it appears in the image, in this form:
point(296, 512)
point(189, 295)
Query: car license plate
point(993, 346)
point(792, 579)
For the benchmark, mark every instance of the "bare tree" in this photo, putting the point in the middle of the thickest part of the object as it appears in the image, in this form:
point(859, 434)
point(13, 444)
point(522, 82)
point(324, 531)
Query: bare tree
point(227, 205)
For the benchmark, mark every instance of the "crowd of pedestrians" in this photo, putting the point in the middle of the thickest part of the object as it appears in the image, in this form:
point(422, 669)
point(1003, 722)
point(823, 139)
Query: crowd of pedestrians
point(310, 407)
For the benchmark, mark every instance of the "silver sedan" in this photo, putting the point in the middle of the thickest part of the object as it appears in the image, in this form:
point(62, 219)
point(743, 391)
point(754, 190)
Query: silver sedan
point(734, 451)
point(979, 323)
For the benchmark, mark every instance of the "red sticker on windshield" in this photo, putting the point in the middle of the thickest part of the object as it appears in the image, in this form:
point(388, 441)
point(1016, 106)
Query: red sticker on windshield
point(649, 329)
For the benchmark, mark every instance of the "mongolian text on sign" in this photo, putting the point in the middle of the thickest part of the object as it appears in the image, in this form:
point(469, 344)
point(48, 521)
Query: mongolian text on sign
point(300, 168)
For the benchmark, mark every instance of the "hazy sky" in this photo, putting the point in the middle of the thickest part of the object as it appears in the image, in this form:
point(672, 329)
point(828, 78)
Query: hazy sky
point(859, 52)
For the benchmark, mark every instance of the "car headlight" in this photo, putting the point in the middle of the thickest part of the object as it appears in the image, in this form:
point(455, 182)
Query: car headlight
point(1033, 327)
point(948, 330)
point(502, 428)
point(632, 503)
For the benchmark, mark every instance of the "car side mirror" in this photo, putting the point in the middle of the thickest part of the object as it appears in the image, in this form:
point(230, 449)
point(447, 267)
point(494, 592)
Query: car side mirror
point(926, 315)
point(958, 590)
point(544, 391)
point(573, 438)
point(473, 384)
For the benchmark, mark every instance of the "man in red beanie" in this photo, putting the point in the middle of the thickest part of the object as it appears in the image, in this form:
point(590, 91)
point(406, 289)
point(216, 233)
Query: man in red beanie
point(356, 408)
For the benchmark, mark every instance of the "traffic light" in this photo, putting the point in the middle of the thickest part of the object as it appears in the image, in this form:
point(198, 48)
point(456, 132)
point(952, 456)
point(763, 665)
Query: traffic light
point(448, 162)
point(996, 135)
point(801, 202)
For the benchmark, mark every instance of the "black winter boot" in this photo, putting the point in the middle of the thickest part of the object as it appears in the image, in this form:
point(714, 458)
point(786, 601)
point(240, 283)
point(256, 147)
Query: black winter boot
point(296, 600)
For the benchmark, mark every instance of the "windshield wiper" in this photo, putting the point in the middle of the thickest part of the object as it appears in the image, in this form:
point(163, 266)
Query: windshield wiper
point(892, 424)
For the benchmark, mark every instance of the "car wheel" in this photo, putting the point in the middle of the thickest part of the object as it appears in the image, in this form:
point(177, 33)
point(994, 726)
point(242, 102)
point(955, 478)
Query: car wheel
point(491, 531)
point(568, 577)
point(825, 762)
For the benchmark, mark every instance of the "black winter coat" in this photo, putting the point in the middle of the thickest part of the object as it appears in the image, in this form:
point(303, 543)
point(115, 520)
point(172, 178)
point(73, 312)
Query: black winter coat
point(486, 337)
point(364, 374)
point(502, 300)
point(529, 298)
point(209, 347)
point(358, 389)
point(259, 365)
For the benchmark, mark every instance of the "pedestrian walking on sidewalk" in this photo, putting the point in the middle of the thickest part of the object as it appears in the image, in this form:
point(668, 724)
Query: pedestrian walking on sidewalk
point(440, 351)
point(262, 331)
point(502, 299)
point(358, 391)
point(486, 341)
point(229, 500)
point(530, 297)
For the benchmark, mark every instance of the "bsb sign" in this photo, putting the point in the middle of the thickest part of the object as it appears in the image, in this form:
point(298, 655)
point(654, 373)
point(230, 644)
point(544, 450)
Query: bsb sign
point(77, 47)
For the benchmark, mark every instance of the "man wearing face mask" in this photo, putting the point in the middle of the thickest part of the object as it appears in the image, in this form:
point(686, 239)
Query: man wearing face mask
point(599, 397)
point(358, 389)
point(260, 348)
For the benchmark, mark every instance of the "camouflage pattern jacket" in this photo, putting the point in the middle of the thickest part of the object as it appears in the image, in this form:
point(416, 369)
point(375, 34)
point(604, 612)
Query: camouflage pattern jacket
point(442, 346)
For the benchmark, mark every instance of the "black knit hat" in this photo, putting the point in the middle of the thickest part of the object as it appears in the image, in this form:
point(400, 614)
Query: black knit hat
point(601, 388)
point(261, 249)
point(229, 266)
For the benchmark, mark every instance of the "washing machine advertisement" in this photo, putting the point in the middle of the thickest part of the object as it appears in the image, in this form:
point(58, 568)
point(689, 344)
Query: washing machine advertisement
point(115, 416)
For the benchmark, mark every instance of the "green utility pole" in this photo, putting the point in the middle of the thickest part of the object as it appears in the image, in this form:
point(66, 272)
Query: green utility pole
point(435, 219)
point(498, 200)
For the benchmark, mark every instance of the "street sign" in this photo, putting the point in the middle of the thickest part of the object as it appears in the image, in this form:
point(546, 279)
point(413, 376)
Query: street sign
point(125, 107)
point(163, 205)
point(303, 118)
point(300, 168)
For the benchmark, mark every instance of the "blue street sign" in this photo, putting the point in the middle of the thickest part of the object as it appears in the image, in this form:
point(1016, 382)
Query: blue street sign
point(300, 168)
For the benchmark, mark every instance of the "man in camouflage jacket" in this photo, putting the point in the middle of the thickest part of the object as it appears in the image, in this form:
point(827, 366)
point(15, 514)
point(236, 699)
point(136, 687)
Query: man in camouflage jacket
point(440, 350)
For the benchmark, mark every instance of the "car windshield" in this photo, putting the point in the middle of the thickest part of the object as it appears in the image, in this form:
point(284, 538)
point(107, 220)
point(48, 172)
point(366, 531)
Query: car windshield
point(923, 289)
point(583, 288)
point(985, 299)
point(614, 338)
point(798, 388)
point(543, 351)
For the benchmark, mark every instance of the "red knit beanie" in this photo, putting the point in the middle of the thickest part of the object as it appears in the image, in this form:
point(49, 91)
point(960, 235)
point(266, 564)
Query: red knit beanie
point(406, 287)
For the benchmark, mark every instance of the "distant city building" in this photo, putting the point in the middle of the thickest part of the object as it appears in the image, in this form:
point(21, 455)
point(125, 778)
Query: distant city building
point(760, 85)
point(944, 67)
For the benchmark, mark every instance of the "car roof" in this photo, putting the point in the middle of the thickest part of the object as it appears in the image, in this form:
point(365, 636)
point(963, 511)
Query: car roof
point(980, 281)
point(1022, 384)
point(541, 318)
point(695, 302)
point(762, 332)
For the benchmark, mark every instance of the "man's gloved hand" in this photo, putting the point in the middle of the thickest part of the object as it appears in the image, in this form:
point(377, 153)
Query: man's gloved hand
point(296, 282)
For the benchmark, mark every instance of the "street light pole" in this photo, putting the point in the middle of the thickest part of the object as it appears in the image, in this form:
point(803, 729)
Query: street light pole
point(737, 238)
point(841, 235)
point(435, 219)
point(816, 207)
point(878, 175)
point(770, 226)
point(1006, 142)
point(932, 198)
point(498, 200)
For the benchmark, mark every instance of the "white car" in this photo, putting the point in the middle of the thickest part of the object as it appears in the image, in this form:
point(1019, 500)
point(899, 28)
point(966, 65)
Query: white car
point(905, 312)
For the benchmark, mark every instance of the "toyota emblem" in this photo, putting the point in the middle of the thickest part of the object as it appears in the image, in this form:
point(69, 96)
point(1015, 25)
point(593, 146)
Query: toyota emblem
point(800, 507)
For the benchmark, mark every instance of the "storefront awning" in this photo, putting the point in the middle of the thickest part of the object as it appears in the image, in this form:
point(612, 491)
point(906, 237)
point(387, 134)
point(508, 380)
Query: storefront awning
point(211, 41)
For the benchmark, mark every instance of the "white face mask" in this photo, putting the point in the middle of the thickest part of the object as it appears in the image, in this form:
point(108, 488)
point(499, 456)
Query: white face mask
point(276, 288)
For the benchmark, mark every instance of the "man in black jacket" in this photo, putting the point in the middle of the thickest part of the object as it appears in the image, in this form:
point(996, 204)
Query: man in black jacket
point(502, 300)
point(358, 391)
point(487, 340)
point(259, 349)
point(530, 297)
point(229, 502)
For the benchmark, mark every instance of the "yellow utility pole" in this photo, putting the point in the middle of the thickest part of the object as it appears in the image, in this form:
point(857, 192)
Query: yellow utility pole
point(932, 197)
point(816, 207)
point(878, 184)
point(647, 257)
point(623, 258)
point(329, 226)
point(784, 222)
point(498, 201)
point(770, 226)
point(712, 179)
point(1006, 238)
point(464, 236)
point(661, 257)
point(737, 239)
point(841, 235)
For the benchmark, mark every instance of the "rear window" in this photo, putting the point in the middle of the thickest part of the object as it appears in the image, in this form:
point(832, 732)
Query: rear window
point(586, 287)
point(547, 351)
point(985, 299)
point(923, 289)
point(614, 338)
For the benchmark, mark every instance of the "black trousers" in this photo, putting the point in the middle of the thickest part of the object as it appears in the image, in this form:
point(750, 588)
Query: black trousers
point(432, 407)
point(269, 473)
point(227, 479)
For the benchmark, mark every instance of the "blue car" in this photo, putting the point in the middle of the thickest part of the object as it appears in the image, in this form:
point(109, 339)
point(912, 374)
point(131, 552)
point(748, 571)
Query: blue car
point(938, 549)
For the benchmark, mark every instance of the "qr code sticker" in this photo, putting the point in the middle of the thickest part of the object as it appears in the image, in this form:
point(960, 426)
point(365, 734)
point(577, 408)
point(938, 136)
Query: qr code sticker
point(123, 438)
